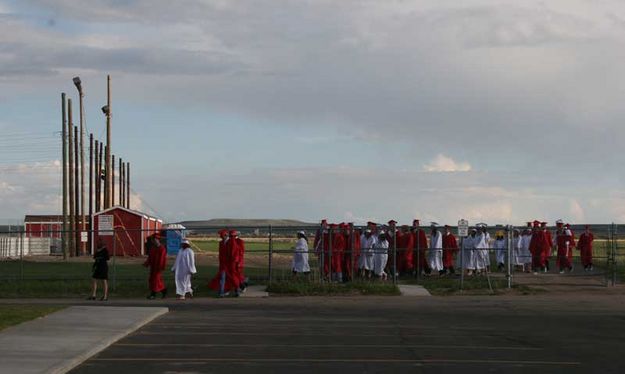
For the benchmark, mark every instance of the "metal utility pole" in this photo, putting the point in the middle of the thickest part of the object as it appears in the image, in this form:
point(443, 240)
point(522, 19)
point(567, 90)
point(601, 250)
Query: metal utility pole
point(70, 143)
point(96, 176)
point(64, 172)
point(100, 161)
point(128, 185)
point(83, 221)
point(112, 180)
point(121, 182)
point(76, 193)
point(108, 166)
point(90, 190)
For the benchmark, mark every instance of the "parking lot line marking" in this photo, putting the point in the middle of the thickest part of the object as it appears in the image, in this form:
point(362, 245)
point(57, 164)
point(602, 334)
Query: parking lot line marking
point(343, 360)
point(327, 346)
point(221, 333)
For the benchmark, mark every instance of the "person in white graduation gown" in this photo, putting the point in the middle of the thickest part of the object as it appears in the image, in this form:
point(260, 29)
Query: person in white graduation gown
point(501, 249)
point(435, 254)
point(365, 261)
point(526, 256)
point(517, 260)
point(470, 256)
point(300, 257)
point(380, 256)
point(482, 244)
point(183, 268)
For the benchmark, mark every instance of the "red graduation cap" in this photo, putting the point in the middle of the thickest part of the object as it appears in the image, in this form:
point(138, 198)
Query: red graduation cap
point(415, 222)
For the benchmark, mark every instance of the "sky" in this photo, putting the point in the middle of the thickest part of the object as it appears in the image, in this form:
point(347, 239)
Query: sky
point(352, 110)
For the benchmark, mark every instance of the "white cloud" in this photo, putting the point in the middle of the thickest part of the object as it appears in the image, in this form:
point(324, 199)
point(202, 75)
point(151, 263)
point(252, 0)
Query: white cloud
point(576, 211)
point(442, 163)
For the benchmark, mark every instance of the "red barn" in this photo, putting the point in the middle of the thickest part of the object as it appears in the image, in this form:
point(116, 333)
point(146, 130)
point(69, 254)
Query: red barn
point(43, 226)
point(131, 229)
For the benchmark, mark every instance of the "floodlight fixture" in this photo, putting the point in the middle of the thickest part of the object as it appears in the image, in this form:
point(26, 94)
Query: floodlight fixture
point(105, 109)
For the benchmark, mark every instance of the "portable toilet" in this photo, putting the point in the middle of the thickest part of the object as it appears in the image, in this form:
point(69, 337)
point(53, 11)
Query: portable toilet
point(175, 234)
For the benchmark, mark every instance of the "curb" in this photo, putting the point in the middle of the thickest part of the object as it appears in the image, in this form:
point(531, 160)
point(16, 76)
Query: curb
point(78, 360)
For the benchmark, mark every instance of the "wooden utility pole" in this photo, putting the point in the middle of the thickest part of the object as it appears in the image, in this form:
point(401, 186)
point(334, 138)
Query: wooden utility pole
point(128, 185)
point(70, 143)
point(83, 221)
point(121, 182)
point(108, 198)
point(76, 193)
point(64, 172)
point(112, 180)
point(90, 191)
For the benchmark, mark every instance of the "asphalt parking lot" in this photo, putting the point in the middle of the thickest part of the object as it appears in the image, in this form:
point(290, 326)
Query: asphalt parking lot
point(541, 334)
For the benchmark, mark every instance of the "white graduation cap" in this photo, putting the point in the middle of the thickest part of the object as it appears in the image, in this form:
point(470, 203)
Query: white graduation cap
point(559, 221)
point(433, 224)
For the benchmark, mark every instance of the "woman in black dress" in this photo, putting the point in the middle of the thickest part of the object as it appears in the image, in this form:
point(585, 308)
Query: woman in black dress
point(100, 271)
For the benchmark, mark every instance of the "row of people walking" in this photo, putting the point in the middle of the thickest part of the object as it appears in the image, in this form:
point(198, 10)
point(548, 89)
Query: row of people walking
point(345, 251)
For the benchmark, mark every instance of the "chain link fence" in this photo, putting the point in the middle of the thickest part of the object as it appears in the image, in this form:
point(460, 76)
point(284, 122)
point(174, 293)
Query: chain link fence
point(34, 265)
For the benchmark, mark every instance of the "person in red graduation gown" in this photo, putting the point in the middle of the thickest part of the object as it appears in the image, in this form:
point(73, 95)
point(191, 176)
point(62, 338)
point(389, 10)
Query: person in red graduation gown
point(156, 263)
point(352, 251)
point(549, 239)
point(420, 241)
point(227, 278)
point(565, 244)
point(450, 248)
point(405, 250)
point(240, 262)
point(584, 244)
point(338, 249)
point(539, 247)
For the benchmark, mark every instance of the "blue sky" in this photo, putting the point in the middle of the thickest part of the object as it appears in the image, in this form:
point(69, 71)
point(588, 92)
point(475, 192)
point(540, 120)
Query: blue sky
point(494, 111)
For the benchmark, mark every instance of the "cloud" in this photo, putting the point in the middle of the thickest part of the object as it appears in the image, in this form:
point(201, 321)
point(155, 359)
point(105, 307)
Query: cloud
point(442, 163)
point(576, 211)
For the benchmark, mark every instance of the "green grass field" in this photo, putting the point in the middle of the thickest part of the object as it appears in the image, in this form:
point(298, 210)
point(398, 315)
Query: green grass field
point(212, 245)
point(12, 315)
point(73, 279)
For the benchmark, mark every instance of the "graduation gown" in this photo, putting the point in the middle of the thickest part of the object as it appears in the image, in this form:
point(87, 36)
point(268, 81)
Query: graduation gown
point(435, 255)
point(228, 263)
point(380, 257)
point(300, 257)
point(421, 244)
point(450, 248)
point(156, 262)
point(405, 249)
point(351, 253)
point(183, 268)
point(365, 261)
point(565, 246)
point(584, 245)
point(539, 247)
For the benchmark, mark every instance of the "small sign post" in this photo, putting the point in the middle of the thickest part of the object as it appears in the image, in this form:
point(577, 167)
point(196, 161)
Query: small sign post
point(463, 232)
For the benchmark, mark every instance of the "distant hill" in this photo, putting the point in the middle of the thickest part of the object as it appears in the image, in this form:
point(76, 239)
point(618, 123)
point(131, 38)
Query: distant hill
point(237, 223)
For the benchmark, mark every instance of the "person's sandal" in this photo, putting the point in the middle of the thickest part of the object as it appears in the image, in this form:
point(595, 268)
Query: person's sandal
point(91, 298)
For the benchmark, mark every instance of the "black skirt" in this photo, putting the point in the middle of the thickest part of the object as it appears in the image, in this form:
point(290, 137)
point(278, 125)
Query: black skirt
point(100, 270)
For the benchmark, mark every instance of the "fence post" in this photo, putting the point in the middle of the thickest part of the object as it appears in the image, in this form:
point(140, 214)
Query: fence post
point(270, 265)
point(509, 257)
point(394, 254)
point(330, 268)
point(461, 263)
point(320, 248)
point(418, 265)
point(114, 284)
point(351, 255)
point(614, 247)
point(21, 246)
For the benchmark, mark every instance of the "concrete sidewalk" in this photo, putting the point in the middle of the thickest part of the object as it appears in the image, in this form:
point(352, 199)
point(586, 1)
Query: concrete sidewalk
point(63, 340)
point(413, 290)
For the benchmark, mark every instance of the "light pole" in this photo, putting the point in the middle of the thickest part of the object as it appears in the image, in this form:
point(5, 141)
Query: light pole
point(81, 94)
